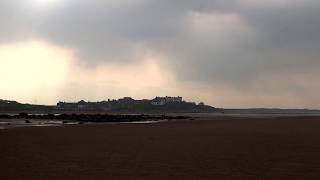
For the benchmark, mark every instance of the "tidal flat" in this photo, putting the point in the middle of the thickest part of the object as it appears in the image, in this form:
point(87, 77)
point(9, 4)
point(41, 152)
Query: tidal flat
point(221, 147)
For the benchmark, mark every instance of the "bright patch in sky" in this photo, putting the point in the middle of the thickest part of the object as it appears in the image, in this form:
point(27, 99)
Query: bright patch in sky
point(30, 67)
point(44, 3)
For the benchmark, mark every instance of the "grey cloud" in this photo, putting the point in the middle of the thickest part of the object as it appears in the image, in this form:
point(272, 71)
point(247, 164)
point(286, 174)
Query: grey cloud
point(281, 38)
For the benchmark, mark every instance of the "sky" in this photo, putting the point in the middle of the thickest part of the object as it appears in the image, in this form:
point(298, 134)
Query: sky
point(227, 53)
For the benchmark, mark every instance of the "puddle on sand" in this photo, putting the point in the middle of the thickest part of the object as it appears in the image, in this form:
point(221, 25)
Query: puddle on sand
point(17, 124)
point(144, 122)
point(20, 123)
point(44, 125)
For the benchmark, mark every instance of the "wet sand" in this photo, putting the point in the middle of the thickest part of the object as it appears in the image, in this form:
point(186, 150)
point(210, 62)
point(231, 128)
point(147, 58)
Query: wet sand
point(226, 148)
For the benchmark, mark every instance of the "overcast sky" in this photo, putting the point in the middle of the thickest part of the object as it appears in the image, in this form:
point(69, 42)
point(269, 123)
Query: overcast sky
point(227, 53)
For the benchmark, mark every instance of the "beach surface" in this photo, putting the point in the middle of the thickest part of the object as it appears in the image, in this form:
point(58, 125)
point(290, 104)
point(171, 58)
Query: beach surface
point(221, 148)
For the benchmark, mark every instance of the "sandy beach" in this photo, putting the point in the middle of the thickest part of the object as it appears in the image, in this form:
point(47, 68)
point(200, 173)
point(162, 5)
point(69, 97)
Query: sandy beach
point(225, 148)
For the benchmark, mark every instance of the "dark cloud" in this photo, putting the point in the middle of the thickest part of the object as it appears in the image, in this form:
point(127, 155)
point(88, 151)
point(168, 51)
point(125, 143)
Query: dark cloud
point(205, 40)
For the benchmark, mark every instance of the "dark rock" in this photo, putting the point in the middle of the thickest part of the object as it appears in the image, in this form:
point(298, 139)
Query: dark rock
point(23, 115)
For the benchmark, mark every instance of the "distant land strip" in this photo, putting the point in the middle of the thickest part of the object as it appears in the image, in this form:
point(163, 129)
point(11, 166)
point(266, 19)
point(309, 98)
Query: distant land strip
point(126, 105)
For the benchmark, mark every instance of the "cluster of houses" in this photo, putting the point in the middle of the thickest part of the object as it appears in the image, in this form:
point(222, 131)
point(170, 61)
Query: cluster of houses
point(125, 102)
point(159, 101)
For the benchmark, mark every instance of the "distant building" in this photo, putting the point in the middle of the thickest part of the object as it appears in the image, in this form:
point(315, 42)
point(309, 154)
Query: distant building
point(126, 100)
point(82, 104)
point(72, 106)
point(159, 101)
